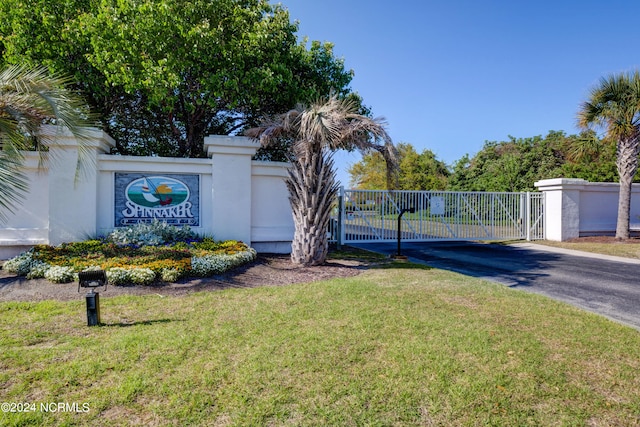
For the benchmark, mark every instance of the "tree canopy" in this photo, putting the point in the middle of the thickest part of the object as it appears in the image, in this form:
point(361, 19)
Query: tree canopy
point(165, 73)
point(515, 165)
point(416, 171)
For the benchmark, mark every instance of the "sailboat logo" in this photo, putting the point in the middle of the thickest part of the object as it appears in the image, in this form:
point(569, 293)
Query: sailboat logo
point(157, 192)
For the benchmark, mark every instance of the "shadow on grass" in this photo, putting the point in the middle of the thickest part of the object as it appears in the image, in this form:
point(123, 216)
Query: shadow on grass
point(401, 265)
point(355, 254)
point(141, 322)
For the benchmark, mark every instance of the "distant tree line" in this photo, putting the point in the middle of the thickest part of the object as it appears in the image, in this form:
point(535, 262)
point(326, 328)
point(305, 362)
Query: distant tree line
point(415, 171)
point(513, 165)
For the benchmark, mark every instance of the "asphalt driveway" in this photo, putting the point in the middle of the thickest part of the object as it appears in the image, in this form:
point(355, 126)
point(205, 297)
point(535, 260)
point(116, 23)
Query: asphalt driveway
point(606, 285)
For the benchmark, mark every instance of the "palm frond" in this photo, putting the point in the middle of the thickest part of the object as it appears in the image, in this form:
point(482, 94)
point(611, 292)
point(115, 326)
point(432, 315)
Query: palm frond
point(13, 184)
point(584, 147)
point(317, 131)
point(331, 124)
point(30, 98)
point(614, 104)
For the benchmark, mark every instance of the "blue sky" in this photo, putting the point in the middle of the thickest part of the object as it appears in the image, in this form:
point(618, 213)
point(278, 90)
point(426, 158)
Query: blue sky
point(448, 75)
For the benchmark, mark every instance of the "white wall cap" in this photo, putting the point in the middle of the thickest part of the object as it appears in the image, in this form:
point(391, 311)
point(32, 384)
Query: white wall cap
point(264, 168)
point(222, 144)
point(560, 183)
point(118, 163)
point(62, 137)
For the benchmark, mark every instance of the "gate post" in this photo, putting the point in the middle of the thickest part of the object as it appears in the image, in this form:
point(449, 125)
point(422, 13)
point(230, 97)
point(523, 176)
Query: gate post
point(231, 177)
point(562, 207)
point(527, 215)
point(73, 202)
point(340, 229)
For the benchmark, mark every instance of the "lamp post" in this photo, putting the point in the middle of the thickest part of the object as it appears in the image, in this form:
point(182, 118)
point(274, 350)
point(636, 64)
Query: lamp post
point(92, 279)
point(399, 256)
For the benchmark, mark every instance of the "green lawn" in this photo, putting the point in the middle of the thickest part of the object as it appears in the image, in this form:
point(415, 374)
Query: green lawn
point(627, 250)
point(394, 346)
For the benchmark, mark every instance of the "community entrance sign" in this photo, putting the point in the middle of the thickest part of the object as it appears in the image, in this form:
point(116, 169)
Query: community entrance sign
point(171, 198)
point(365, 216)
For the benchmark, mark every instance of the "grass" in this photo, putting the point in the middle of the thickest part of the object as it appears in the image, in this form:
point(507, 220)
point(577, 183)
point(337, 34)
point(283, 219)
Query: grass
point(393, 346)
point(352, 253)
point(626, 250)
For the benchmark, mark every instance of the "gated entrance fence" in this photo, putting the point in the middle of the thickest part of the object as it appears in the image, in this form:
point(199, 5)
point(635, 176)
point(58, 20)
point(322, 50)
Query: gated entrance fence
point(366, 215)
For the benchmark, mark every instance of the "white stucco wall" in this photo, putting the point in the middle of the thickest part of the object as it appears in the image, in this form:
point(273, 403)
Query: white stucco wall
point(231, 186)
point(72, 190)
point(575, 207)
point(240, 199)
point(28, 225)
point(272, 226)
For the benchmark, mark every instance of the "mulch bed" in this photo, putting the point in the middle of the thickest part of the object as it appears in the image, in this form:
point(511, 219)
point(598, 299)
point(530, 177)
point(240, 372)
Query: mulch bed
point(267, 270)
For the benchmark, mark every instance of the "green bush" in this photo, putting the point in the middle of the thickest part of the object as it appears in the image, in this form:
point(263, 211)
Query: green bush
point(153, 234)
point(170, 274)
point(58, 274)
point(20, 265)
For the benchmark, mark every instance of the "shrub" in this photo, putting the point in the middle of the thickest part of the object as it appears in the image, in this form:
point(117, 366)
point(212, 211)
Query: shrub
point(124, 276)
point(227, 247)
point(170, 274)
point(80, 248)
point(38, 270)
point(126, 259)
point(118, 276)
point(93, 268)
point(153, 234)
point(142, 276)
point(58, 274)
point(208, 265)
point(20, 265)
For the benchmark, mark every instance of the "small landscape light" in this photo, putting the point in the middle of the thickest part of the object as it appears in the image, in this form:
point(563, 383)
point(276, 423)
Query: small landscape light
point(92, 279)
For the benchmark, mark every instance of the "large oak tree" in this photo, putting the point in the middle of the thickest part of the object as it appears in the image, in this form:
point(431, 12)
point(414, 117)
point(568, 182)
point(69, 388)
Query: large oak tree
point(166, 73)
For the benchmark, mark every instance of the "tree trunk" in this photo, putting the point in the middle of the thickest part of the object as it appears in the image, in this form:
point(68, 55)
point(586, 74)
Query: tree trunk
point(312, 190)
point(627, 164)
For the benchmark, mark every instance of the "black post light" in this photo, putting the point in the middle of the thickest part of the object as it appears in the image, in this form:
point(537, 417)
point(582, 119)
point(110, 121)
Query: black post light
point(92, 279)
point(399, 255)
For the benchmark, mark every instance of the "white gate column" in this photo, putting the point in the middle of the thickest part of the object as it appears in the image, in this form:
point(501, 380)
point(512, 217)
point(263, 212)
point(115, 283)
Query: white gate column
point(73, 199)
point(231, 186)
point(562, 207)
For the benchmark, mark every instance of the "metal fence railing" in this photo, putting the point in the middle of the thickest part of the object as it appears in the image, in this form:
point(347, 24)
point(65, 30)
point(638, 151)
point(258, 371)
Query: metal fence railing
point(372, 215)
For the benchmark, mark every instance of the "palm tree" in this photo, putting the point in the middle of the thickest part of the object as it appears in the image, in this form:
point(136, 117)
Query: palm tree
point(29, 98)
point(615, 105)
point(316, 133)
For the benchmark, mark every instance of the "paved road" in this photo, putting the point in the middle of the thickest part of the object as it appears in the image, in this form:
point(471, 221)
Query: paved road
point(609, 286)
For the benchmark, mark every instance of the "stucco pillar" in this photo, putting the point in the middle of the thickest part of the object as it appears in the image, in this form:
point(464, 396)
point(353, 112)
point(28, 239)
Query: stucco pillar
point(562, 207)
point(73, 192)
point(231, 186)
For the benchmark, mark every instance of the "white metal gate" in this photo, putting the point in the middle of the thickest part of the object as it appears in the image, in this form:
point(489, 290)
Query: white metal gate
point(366, 215)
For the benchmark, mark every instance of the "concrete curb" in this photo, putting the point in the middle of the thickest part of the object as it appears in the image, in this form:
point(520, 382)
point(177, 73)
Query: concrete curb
point(544, 248)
